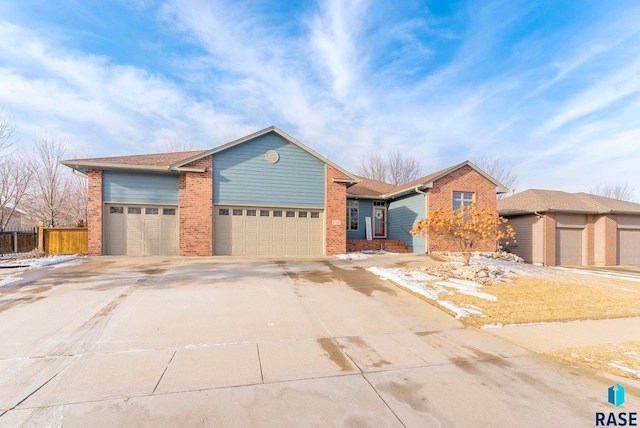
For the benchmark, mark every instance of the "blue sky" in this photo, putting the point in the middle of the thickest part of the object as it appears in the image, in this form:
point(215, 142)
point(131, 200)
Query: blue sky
point(551, 88)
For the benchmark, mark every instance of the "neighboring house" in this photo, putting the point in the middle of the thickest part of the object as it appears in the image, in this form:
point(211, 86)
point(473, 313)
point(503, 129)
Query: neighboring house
point(264, 194)
point(559, 228)
point(395, 209)
point(18, 220)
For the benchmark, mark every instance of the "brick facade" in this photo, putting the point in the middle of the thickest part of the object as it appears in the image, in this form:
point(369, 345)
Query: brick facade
point(390, 245)
point(610, 240)
point(196, 209)
point(549, 258)
point(335, 213)
point(94, 208)
point(589, 235)
point(467, 180)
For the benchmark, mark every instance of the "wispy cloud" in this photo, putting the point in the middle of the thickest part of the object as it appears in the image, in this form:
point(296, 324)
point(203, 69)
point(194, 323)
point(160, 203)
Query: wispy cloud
point(442, 82)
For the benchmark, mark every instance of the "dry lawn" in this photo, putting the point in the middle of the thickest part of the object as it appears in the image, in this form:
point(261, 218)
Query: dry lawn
point(622, 359)
point(563, 297)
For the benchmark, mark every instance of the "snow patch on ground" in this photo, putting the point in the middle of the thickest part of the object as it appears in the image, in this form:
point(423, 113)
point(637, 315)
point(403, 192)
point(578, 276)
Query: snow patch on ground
point(352, 256)
point(432, 287)
point(11, 270)
point(618, 366)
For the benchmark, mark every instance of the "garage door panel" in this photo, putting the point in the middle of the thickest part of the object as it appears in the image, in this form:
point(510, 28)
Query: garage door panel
point(629, 246)
point(270, 232)
point(141, 230)
point(569, 248)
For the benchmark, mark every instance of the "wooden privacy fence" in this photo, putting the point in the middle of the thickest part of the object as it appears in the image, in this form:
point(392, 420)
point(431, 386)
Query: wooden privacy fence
point(67, 240)
point(17, 241)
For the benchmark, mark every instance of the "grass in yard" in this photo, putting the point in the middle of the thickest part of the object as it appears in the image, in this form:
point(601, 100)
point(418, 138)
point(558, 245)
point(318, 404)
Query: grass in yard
point(622, 359)
point(566, 298)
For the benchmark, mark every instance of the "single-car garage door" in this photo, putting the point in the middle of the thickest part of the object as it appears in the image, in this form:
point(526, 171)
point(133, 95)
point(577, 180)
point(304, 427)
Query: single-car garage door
point(568, 246)
point(141, 230)
point(267, 231)
point(629, 246)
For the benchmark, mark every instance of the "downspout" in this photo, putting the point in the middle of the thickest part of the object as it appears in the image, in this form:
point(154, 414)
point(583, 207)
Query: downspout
point(426, 211)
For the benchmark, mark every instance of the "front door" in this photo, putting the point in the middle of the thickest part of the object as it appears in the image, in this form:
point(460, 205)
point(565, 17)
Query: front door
point(380, 222)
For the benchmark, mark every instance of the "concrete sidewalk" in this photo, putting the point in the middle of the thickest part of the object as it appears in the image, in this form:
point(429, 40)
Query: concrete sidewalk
point(554, 336)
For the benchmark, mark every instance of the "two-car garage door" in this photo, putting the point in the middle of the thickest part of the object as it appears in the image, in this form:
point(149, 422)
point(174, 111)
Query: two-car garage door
point(267, 231)
point(141, 230)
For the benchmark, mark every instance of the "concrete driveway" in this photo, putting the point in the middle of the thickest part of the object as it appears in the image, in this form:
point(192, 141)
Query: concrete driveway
point(233, 342)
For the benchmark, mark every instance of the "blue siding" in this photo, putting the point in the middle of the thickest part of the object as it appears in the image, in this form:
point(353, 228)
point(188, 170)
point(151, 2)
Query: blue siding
point(139, 187)
point(402, 215)
point(365, 210)
point(242, 175)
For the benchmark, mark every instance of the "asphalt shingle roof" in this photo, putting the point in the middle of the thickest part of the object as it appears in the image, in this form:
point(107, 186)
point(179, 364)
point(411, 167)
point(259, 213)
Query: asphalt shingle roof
point(160, 160)
point(537, 200)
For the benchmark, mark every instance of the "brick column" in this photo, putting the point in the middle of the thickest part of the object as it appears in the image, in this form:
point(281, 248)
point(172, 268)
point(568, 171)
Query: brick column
point(610, 240)
point(94, 208)
point(196, 209)
point(590, 238)
point(549, 240)
point(335, 213)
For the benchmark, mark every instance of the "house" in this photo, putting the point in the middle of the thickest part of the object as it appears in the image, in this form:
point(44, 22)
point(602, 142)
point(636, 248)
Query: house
point(395, 209)
point(263, 194)
point(558, 228)
point(18, 219)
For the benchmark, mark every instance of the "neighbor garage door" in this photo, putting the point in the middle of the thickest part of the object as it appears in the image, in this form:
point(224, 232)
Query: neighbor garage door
point(267, 231)
point(568, 246)
point(139, 230)
point(629, 246)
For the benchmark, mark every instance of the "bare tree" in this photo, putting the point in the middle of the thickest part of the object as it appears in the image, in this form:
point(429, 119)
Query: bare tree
point(50, 195)
point(7, 130)
point(396, 168)
point(622, 191)
point(176, 145)
point(14, 181)
point(14, 175)
point(500, 171)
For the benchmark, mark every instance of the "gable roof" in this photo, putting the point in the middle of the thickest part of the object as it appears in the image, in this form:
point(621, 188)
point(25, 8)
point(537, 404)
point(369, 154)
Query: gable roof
point(347, 176)
point(374, 188)
point(163, 162)
point(539, 201)
point(177, 161)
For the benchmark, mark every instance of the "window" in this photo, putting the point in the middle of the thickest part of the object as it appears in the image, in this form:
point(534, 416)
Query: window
point(168, 211)
point(237, 211)
point(251, 213)
point(134, 210)
point(264, 213)
point(315, 214)
point(302, 214)
point(462, 199)
point(353, 208)
point(277, 213)
point(223, 211)
point(291, 214)
point(152, 211)
point(116, 210)
point(379, 203)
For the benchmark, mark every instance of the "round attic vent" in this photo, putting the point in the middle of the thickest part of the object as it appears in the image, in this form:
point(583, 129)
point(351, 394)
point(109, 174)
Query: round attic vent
point(272, 156)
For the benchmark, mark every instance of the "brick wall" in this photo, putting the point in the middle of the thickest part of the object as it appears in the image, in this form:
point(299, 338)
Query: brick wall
point(196, 209)
point(549, 240)
point(94, 221)
point(610, 240)
point(335, 213)
point(464, 179)
point(589, 234)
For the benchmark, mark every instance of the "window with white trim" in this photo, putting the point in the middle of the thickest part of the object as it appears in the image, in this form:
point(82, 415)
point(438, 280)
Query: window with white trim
point(462, 199)
point(353, 214)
